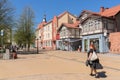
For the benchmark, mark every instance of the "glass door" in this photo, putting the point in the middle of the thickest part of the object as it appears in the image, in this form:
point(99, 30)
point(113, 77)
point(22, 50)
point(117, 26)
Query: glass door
point(85, 45)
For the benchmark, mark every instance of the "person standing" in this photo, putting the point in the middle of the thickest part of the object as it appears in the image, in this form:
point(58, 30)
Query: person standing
point(79, 48)
point(14, 53)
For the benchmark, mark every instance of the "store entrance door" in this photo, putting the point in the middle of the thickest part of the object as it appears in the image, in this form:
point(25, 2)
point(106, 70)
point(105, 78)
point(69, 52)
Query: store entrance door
point(96, 43)
point(85, 45)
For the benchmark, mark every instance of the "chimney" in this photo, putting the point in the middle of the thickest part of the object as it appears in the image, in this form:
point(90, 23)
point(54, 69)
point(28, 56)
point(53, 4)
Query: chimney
point(106, 8)
point(102, 9)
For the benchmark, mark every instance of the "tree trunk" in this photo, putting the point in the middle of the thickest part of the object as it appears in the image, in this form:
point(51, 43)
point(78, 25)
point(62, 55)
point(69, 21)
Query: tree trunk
point(28, 46)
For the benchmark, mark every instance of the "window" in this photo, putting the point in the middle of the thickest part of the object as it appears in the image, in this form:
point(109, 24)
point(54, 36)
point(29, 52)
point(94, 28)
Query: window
point(47, 43)
point(48, 28)
point(97, 24)
point(83, 28)
point(64, 32)
point(111, 26)
point(48, 35)
point(89, 25)
point(77, 32)
point(84, 16)
point(72, 31)
point(50, 43)
point(45, 35)
point(105, 25)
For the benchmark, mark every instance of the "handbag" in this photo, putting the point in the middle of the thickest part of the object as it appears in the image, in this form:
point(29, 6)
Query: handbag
point(94, 56)
point(99, 66)
point(87, 62)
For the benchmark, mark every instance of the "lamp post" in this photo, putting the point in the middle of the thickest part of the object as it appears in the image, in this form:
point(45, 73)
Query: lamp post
point(1, 39)
point(37, 46)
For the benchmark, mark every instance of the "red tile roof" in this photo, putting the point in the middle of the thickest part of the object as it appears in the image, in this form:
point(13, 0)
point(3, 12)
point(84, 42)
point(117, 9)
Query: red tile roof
point(87, 11)
point(111, 11)
point(62, 14)
point(70, 25)
point(41, 25)
point(75, 25)
point(91, 12)
point(48, 22)
point(107, 12)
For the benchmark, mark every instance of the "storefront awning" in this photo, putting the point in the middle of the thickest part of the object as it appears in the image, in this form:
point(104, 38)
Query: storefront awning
point(75, 40)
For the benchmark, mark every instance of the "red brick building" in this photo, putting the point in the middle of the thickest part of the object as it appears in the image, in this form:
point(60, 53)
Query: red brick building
point(114, 42)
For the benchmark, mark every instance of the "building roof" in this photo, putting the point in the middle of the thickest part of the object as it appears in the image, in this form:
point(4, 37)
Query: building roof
point(105, 12)
point(111, 11)
point(41, 25)
point(48, 22)
point(95, 13)
point(68, 25)
point(82, 21)
point(62, 14)
point(74, 25)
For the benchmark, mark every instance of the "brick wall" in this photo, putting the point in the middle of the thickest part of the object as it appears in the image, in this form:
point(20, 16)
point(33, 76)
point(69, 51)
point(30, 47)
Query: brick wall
point(115, 42)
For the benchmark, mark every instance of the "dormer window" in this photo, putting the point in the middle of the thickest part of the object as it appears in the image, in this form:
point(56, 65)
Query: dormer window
point(84, 16)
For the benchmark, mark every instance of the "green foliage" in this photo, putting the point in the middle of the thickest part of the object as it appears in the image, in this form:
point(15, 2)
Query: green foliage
point(6, 20)
point(24, 34)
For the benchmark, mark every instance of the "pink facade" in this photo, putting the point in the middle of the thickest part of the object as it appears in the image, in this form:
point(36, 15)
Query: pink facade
point(65, 17)
point(54, 31)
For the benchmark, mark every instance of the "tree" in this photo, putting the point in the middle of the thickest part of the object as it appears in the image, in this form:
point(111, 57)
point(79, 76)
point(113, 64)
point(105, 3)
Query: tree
point(6, 20)
point(25, 33)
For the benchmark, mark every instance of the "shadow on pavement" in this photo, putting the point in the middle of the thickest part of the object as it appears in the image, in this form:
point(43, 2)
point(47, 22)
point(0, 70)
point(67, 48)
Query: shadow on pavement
point(29, 52)
point(102, 74)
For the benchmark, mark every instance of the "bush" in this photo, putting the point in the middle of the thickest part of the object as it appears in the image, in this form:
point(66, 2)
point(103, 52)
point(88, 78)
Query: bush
point(2, 50)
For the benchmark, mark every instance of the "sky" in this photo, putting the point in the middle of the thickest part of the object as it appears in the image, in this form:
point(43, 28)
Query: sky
point(55, 7)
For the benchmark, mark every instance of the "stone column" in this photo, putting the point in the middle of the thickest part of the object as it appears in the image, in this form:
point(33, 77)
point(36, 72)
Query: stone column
point(6, 55)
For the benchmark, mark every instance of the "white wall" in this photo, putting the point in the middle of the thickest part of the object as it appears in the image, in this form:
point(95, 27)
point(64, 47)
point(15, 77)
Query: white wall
point(92, 26)
point(48, 31)
point(69, 33)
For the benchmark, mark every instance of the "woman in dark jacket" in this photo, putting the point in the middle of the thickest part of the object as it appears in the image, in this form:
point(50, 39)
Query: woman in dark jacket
point(14, 54)
point(92, 64)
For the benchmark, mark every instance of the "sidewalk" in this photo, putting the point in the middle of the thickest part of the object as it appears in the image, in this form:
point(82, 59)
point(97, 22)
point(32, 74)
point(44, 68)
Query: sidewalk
point(57, 65)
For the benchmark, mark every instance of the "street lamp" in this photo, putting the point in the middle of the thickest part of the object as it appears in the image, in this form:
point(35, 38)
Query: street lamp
point(37, 46)
point(1, 33)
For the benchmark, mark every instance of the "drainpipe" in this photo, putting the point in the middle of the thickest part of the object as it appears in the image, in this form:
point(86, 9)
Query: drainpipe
point(102, 49)
point(115, 24)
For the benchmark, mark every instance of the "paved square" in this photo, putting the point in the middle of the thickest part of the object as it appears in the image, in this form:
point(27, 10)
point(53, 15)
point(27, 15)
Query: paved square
point(58, 65)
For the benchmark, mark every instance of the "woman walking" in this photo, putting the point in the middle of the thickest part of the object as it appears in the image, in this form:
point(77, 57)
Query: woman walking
point(92, 63)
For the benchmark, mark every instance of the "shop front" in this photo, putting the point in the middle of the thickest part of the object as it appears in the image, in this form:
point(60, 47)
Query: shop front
point(69, 44)
point(99, 40)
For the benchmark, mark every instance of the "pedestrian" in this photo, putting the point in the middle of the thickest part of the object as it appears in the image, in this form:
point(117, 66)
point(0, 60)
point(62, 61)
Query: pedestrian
point(79, 48)
point(92, 63)
point(14, 54)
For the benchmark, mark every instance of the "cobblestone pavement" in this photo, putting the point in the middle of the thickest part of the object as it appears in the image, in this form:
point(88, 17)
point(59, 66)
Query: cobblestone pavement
point(58, 65)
